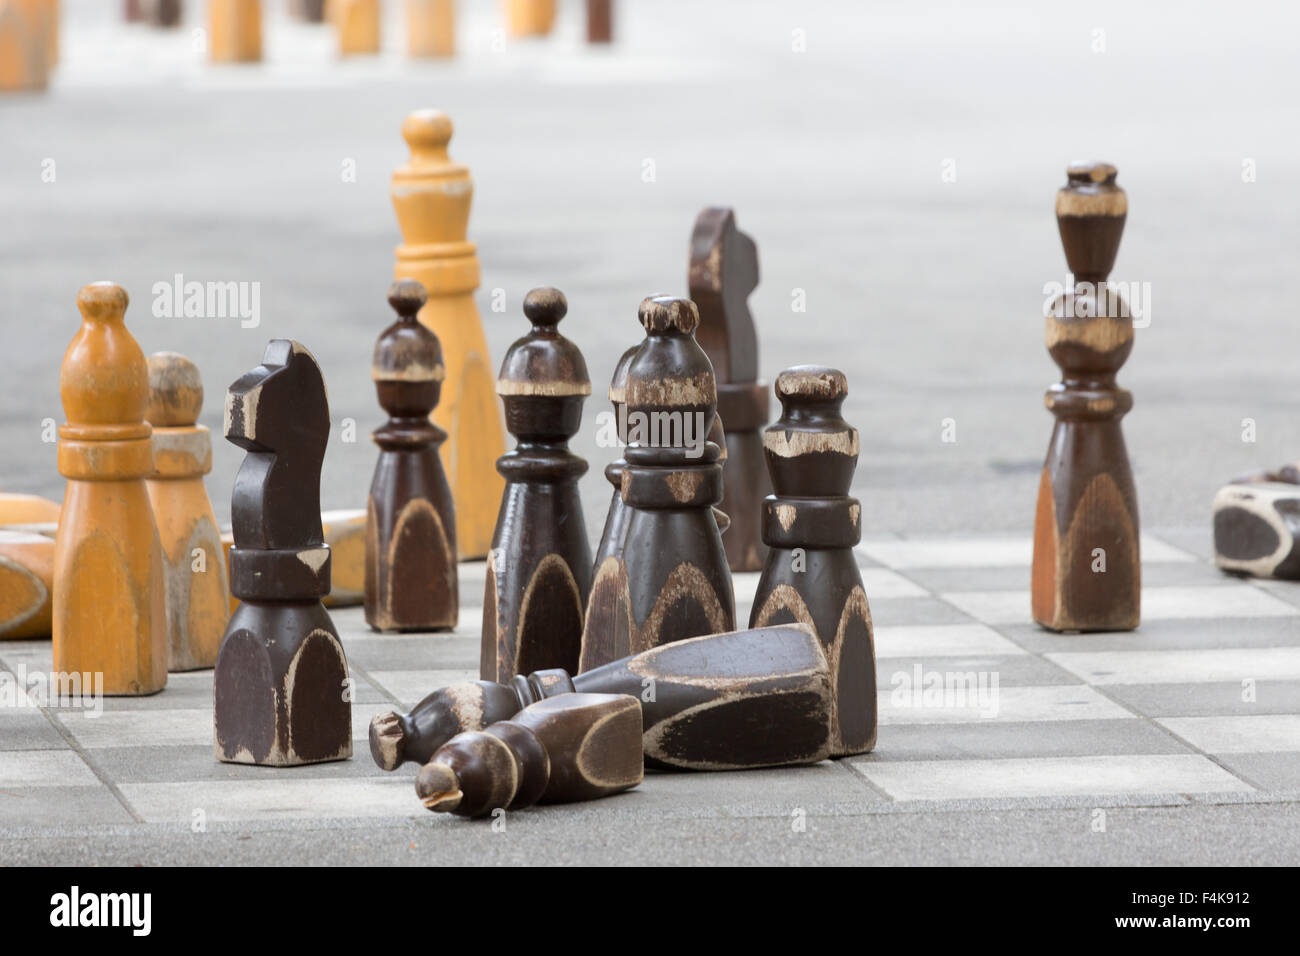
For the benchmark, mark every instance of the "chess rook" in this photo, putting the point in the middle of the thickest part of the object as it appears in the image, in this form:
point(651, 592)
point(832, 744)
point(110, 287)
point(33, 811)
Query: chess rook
point(723, 272)
point(410, 526)
point(1086, 569)
point(1257, 524)
point(279, 685)
point(811, 526)
point(557, 750)
point(539, 569)
point(671, 580)
point(235, 31)
point(108, 611)
point(756, 698)
point(194, 566)
point(432, 196)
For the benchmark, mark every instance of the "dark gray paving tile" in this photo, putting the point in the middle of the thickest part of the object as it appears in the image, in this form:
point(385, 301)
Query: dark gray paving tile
point(1195, 634)
point(60, 806)
point(1271, 771)
point(1023, 669)
point(1208, 700)
point(181, 763)
point(987, 740)
point(898, 611)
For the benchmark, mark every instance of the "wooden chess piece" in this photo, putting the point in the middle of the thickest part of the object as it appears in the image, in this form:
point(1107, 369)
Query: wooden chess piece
point(131, 10)
point(756, 698)
point(26, 583)
point(308, 11)
point(530, 17)
point(432, 197)
point(613, 535)
point(671, 580)
point(163, 13)
point(539, 569)
point(410, 529)
point(600, 21)
point(812, 525)
point(235, 31)
point(194, 566)
point(558, 750)
point(1086, 571)
point(26, 509)
point(431, 28)
point(723, 272)
point(27, 42)
point(108, 612)
point(345, 534)
point(1257, 524)
point(280, 686)
point(359, 26)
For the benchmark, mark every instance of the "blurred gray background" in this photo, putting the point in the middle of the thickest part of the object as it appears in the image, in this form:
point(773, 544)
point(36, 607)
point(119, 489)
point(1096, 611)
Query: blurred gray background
point(927, 293)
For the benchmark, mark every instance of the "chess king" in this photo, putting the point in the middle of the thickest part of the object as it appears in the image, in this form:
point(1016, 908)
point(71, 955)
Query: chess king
point(432, 195)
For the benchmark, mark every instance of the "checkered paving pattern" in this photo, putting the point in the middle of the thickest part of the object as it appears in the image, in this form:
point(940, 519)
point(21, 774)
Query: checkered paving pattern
point(976, 704)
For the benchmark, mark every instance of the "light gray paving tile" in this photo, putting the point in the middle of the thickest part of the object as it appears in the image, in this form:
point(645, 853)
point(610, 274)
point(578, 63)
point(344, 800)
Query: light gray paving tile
point(1198, 540)
point(1271, 771)
point(1016, 578)
point(1182, 667)
point(962, 701)
point(273, 799)
point(1016, 670)
point(946, 640)
point(1257, 733)
point(174, 764)
point(28, 729)
point(1226, 600)
point(990, 740)
point(44, 768)
point(137, 728)
point(931, 610)
point(1201, 633)
point(986, 551)
point(1288, 591)
point(411, 686)
point(881, 584)
point(1048, 776)
point(1209, 699)
point(61, 806)
point(448, 654)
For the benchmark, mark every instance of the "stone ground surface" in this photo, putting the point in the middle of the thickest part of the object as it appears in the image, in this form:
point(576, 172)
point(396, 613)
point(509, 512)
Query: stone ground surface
point(926, 292)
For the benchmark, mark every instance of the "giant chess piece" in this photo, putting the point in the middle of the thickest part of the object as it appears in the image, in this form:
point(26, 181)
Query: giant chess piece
point(558, 750)
point(410, 581)
point(757, 698)
point(29, 32)
point(539, 570)
point(432, 197)
point(671, 580)
point(612, 537)
point(723, 272)
point(235, 31)
point(811, 525)
point(194, 563)
point(280, 687)
point(1086, 573)
point(109, 614)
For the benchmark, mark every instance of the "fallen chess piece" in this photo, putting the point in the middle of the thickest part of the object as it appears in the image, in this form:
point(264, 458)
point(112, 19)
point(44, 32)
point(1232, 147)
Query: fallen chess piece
point(1257, 524)
point(743, 699)
point(559, 750)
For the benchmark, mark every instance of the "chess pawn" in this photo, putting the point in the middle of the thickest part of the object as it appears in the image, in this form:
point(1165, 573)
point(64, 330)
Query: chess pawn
point(194, 567)
point(811, 526)
point(280, 691)
point(539, 569)
point(235, 31)
point(358, 23)
point(723, 272)
point(671, 580)
point(1086, 570)
point(530, 17)
point(432, 195)
point(557, 750)
point(108, 606)
point(612, 537)
point(308, 11)
point(756, 698)
point(411, 527)
point(600, 21)
point(26, 583)
point(28, 30)
point(431, 28)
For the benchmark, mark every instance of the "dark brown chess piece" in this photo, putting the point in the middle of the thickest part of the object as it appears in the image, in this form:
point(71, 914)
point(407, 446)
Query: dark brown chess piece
point(611, 539)
point(1086, 572)
point(280, 692)
point(723, 272)
point(671, 580)
point(558, 750)
point(811, 525)
point(600, 21)
point(410, 579)
point(539, 569)
point(756, 698)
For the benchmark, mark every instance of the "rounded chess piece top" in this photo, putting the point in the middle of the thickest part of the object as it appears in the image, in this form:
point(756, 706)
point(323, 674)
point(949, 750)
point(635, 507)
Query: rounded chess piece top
point(1090, 212)
point(668, 315)
point(427, 132)
point(544, 362)
point(175, 391)
point(407, 351)
point(618, 382)
point(811, 450)
point(104, 379)
point(670, 373)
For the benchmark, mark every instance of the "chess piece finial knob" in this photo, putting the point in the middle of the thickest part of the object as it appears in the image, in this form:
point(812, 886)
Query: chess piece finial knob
point(104, 379)
point(407, 297)
point(543, 362)
point(175, 391)
point(668, 315)
point(427, 132)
